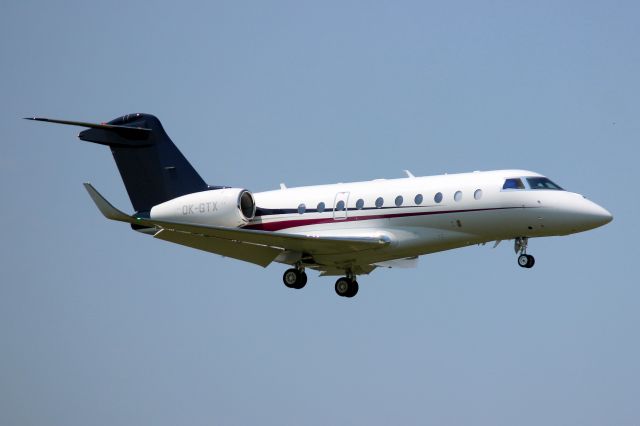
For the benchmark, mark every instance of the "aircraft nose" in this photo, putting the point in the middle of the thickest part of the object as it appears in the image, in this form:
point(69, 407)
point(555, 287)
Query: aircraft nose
point(593, 215)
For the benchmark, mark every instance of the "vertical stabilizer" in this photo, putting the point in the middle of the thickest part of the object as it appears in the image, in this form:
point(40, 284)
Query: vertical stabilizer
point(151, 166)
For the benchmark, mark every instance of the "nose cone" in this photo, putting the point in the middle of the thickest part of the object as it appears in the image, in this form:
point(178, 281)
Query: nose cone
point(590, 215)
point(568, 213)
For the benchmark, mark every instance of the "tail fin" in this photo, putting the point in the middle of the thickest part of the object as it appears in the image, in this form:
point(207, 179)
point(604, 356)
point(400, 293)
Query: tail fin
point(152, 168)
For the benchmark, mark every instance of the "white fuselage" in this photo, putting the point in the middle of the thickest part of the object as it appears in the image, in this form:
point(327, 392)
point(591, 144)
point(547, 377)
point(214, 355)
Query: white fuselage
point(411, 217)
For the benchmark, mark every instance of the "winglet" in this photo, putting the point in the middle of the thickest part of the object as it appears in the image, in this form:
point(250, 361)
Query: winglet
point(105, 207)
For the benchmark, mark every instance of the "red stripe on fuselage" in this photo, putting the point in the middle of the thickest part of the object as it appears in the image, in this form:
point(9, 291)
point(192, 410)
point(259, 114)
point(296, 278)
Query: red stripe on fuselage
point(293, 223)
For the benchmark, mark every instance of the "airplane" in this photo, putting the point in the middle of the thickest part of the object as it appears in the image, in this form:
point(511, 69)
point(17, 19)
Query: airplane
point(344, 229)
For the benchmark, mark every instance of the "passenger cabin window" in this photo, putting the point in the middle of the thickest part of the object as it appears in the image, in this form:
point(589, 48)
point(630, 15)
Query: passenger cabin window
point(320, 207)
point(399, 200)
point(542, 183)
point(360, 204)
point(379, 202)
point(301, 208)
point(513, 184)
point(340, 206)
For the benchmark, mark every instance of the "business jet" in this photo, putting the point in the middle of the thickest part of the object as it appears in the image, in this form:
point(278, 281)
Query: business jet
point(344, 229)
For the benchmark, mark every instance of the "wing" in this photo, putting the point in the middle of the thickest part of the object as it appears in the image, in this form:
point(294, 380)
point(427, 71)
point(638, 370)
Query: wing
point(259, 247)
point(260, 255)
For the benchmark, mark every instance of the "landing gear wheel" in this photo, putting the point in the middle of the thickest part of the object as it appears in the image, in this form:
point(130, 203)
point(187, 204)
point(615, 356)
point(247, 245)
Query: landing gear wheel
point(294, 278)
point(523, 260)
point(532, 261)
point(526, 261)
point(342, 286)
point(353, 288)
point(303, 280)
point(346, 287)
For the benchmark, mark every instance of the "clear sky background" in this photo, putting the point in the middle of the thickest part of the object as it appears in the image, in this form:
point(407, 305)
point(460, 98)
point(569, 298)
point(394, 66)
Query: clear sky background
point(100, 325)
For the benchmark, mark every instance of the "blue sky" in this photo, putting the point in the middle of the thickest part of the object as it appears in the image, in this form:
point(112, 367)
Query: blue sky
point(101, 325)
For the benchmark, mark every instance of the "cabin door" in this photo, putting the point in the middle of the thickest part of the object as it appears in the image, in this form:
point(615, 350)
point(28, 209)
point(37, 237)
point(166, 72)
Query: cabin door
point(340, 206)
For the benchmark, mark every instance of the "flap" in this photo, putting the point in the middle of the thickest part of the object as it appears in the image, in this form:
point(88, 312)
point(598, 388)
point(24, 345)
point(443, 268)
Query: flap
point(260, 255)
point(295, 242)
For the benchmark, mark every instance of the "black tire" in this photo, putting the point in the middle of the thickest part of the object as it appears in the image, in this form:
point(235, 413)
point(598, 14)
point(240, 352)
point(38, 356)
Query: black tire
point(291, 278)
point(353, 288)
point(523, 261)
point(302, 280)
point(343, 287)
point(531, 262)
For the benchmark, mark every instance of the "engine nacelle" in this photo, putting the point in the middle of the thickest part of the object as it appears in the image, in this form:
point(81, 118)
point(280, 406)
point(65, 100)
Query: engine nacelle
point(228, 207)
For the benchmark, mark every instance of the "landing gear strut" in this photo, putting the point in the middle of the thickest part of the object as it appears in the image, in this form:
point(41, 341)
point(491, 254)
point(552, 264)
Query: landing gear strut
point(294, 278)
point(524, 260)
point(347, 286)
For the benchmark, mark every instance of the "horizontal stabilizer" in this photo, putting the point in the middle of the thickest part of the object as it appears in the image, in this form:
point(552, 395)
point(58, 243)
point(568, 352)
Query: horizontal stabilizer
point(127, 132)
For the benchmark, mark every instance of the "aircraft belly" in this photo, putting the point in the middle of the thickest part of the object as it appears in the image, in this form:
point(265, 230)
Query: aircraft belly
point(338, 225)
point(406, 242)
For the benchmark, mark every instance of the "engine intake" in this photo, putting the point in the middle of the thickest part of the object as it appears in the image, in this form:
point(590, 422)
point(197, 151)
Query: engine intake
point(247, 205)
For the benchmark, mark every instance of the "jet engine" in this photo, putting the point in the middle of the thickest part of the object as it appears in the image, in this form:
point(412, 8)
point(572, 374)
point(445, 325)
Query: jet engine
point(228, 207)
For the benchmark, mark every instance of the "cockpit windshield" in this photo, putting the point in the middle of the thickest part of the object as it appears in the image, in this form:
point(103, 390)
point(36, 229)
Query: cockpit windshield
point(534, 182)
point(515, 183)
point(542, 183)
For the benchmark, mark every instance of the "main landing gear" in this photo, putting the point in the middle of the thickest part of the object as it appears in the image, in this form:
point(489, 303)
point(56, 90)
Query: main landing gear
point(524, 260)
point(347, 286)
point(294, 278)
point(297, 278)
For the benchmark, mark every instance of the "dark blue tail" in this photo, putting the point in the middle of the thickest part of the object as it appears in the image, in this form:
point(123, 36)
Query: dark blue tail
point(152, 168)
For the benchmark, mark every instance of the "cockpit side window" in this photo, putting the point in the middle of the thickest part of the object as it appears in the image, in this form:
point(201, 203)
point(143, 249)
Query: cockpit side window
point(542, 183)
point(513, 184)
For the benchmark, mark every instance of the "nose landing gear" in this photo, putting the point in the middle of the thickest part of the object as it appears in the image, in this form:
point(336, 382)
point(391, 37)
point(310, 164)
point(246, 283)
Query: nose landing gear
point(524, 260)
